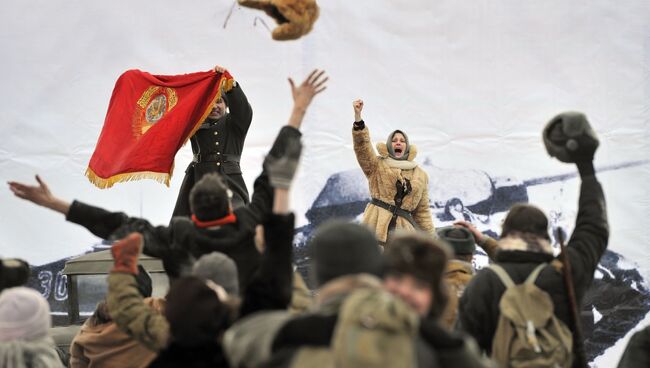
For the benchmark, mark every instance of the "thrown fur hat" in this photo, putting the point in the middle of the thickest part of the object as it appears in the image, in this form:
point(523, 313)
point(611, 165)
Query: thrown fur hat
point(295, 18)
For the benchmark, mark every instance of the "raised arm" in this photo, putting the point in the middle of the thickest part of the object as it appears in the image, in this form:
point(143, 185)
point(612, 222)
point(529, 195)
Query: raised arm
point(125, 304)
point(241, 112)
point(489, 245)
point(361, 141)
point(303, 94)
point(39, 194)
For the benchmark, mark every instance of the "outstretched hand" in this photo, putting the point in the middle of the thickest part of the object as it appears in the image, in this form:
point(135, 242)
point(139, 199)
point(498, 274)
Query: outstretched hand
point(39, 194)
point(310, 87)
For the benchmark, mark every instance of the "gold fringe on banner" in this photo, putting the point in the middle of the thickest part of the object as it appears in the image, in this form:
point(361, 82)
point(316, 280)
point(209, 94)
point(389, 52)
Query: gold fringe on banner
point(105, 183)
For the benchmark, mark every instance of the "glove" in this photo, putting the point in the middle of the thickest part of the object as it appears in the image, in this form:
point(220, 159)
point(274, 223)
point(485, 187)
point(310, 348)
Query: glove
point(126, 252)
point(282, 169)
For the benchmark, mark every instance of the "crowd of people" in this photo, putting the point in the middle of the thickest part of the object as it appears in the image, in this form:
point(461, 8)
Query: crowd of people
point(391, 291)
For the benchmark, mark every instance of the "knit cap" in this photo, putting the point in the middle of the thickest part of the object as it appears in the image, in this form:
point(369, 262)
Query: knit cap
point(458, 238)
point(340, 248)
point(24, 314)
point(218, 268)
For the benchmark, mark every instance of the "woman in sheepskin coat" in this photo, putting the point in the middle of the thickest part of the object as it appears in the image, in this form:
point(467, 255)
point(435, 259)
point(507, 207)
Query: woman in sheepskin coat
point(398, 186)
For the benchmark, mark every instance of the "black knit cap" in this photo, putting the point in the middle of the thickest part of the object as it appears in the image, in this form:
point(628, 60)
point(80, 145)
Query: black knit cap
point(525, 218)
point(459, 239)
point(340, 248)
point(196, 315)
point(209, 199)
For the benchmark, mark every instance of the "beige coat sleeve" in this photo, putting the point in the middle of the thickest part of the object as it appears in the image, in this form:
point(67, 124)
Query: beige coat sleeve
point(490, 246)
point(422, 213)
point(363, 150)
point(132, 315)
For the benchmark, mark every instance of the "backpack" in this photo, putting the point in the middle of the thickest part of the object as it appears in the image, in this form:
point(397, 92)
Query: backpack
point(375, 329)
point(528, 333)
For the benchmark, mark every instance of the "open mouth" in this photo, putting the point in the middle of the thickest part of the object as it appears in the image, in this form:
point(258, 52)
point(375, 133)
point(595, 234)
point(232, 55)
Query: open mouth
point(398, 151)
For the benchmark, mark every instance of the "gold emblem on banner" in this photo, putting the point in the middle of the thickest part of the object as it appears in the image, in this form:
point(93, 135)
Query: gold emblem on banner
point(152, 106)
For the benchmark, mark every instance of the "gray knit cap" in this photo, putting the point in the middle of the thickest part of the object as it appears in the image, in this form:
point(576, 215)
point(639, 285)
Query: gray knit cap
point(218, 268)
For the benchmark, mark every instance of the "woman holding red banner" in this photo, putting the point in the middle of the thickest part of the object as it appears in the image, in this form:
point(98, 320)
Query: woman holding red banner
point(217, 146)
point(398, 186)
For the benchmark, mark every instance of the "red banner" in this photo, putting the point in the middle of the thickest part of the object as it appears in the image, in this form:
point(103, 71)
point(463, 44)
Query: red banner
point(149, 119)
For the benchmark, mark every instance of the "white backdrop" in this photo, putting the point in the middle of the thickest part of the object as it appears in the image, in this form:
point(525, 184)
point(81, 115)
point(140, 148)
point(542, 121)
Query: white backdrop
point(472, 83)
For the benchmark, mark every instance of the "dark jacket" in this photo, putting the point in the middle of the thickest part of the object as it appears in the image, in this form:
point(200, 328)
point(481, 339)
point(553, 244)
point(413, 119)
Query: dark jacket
point(479, 305)
point(637, 352)
point(270, 289)
point(181, 242)
point(217, 146)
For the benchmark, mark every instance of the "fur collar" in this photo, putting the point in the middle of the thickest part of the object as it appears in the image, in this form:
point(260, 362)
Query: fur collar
point(398, 164)
point(525, 242)
point(458, 266)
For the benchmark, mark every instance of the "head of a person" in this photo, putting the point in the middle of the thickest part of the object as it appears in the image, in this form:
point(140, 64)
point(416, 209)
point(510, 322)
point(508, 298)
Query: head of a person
point(219, 108)
point(13, 272)
point(210, 198)
point(414, 271)
point(340, 248)
point(398, 145)
point(220, 269)
point(460, 240)
point(196, 314)
point(525, 219)
point(24, 315)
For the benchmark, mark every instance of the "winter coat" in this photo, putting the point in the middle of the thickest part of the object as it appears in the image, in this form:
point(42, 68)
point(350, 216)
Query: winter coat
point(479, 305)
point(382, 175)
point(105, 345)
point(457, 276)
point(217, 147)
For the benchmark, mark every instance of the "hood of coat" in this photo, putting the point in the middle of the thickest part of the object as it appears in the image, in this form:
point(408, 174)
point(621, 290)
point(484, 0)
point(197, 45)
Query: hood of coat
point(382, 149)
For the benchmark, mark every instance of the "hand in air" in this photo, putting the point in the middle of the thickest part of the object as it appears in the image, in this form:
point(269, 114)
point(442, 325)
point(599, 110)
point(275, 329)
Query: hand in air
point(310, 87)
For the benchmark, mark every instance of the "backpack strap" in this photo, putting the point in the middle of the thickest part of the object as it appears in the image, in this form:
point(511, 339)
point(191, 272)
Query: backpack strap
point(533, 275)
point(502, 274)
point(507, 280)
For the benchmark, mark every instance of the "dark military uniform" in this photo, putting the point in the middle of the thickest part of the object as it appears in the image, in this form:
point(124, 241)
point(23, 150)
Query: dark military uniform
point(217, 146)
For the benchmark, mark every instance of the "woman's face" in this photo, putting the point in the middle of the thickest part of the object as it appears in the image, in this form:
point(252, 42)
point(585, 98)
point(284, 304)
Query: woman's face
point(399, 144)
point(414, 292)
